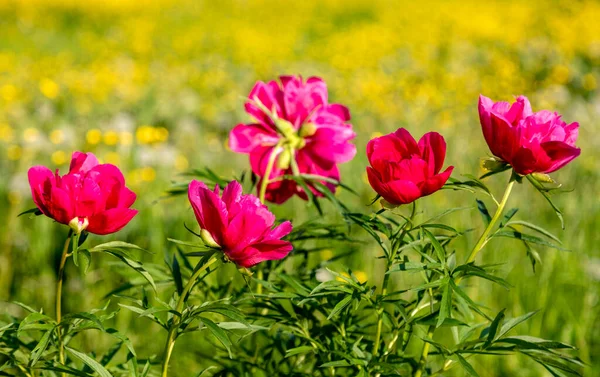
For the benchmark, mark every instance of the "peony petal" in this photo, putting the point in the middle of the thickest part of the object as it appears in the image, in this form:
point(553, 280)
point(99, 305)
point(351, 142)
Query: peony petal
point(209, 209)
point(82, 162)
point(530, 159)
point(259, 160)
point(41, 181)
point(433, 184)
point(392, 147)
point(264, 251)
point(244, 138)
point(271, 96)
point(110, 221)
point(560, 154)
point(248, 226)
point(61, 206)
point(395, 192)
point(279, 231)
point(302, 99)
point(280, 191)
point(332, 144)
point(433, 150)
point(126, 198)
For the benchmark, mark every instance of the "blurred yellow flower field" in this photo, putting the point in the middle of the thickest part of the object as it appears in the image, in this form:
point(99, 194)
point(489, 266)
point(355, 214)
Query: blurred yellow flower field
point(156, 86)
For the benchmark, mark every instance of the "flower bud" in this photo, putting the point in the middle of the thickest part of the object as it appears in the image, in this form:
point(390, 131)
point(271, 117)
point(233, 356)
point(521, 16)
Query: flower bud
point(543, 178)
point(284, 159)
point(208, 239)
point(308, 129)
point(285, 128)
point(78, 224)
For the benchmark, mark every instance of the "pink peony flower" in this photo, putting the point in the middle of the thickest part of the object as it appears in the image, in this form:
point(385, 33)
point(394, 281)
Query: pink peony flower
point(402, 171)
point(238, 224)
point(90, 197)
point(296, 127)
point(530, 142)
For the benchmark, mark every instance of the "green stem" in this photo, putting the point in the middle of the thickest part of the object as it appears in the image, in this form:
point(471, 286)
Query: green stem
point(172, 336)
point(386, 280)
point(396, 243)
point(424, 353)
point(58, 298)
point(266, 178)
point(484, 236)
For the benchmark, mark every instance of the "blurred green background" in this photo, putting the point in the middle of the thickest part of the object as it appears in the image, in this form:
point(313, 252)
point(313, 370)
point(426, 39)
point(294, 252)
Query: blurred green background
point(155, 87)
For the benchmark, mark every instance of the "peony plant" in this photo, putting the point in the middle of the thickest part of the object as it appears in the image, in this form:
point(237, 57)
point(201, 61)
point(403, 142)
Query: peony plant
point(298, 313)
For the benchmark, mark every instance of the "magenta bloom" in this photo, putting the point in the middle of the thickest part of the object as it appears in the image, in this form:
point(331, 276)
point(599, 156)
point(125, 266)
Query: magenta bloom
point(90, 197)
point(530, 142)
point(402, 171)
point(294, 120)
point(239, 224)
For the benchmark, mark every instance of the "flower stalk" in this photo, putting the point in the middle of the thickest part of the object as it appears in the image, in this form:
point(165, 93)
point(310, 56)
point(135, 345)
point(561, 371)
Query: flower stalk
point(396, 243)
point(172, 336)
point(499, 210)
point(59, 285)
point(424, 353)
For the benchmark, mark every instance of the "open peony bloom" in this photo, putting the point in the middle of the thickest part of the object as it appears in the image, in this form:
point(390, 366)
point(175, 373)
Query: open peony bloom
point(295, 127)
point(91, 196)
point(530, 142)
point(402, 171)
point(238, 224)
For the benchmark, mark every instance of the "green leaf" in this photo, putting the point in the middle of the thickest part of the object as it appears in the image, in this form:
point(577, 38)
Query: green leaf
point(32, 212)
point(83, 316)
point(41, 347)
point(116, 245)
point(340, 306)
point(540, 188)
point(337, 363)
point(299, 350)
point(85, 259)
point(446, 303)
point(506, 218)
point(530, 342)
point(484, 212)
point(136, 266)
point(493, 329)
point(218, 333)
point(176, 272)
point(513, 322)
point(414, 266)
point(96, 366)
point(466, 366)
point(536, 228)
point(439, 250)
point(527, 238)
point(460, 293)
